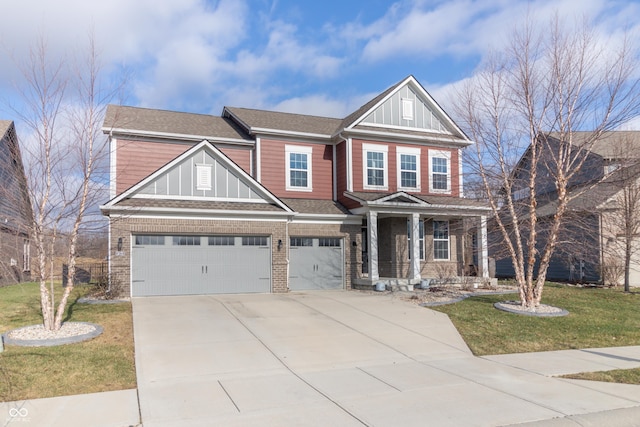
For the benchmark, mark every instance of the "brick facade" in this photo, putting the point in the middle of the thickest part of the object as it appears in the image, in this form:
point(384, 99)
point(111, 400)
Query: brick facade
point(125, 227)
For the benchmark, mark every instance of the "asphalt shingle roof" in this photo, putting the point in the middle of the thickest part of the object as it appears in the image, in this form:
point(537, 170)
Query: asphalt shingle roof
point(171, 122)
point(312, 206)
point(198, 204)
point(285, 121)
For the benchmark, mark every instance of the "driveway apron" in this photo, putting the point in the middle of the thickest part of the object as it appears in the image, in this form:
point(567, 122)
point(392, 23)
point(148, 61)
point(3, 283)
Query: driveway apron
point(333, 358)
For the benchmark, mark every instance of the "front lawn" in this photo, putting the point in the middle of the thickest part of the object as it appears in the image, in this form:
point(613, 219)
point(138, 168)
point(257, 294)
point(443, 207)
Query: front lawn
point(598, 317)
point(103, 364)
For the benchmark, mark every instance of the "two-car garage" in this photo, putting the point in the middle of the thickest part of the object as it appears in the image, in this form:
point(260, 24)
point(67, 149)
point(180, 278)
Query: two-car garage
point(194, 265)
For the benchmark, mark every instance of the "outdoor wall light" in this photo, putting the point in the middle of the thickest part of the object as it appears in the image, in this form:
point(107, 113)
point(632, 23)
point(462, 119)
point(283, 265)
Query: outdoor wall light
point(279, 244)
point(119, 244)
point(354, 243)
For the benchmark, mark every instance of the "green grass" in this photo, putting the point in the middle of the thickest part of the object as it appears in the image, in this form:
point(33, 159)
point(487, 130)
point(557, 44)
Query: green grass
point(597, 318)
point(102, 364)
point(624, 376)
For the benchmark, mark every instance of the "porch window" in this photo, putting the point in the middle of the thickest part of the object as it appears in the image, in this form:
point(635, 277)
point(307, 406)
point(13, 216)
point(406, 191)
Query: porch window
point(440, 167)
point(441, 240)
point(408, 168)
point(375, 166)
point(420, 237)
point(298, 168)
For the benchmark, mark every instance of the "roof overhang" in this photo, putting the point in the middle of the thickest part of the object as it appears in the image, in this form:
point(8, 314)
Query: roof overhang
point(413, 137)
point(173, 136)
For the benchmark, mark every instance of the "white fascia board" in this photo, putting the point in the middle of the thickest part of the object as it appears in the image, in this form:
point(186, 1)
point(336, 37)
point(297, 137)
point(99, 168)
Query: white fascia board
point(416, 139)
point(197, 198)
point(435, 210)
point(326, 219)
point(379, 103)
point(135, 211)
point(170, 135)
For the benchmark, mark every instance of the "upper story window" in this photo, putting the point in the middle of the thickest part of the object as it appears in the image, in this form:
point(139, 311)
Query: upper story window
point(440, 171)
point(298, 168)
point(408, 168)
point(441, 240)
point(375, 166)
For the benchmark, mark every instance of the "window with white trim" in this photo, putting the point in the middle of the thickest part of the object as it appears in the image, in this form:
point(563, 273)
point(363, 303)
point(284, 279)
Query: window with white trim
point(374, 160)
point(440, 171)
point(420, 238)
point(203, 176)
point(298, 168)
point(441, 240)
point(408, 168)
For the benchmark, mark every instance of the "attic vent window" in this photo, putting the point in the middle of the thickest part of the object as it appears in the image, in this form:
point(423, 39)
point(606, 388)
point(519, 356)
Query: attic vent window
point(407, 109)
point(203, 175)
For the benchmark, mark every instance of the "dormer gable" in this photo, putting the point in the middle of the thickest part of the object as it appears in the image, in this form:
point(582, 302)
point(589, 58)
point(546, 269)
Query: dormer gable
point(406, 106)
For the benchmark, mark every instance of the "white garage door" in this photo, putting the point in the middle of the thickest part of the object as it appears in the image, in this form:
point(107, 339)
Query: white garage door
point(316, 263)
point(193, 265)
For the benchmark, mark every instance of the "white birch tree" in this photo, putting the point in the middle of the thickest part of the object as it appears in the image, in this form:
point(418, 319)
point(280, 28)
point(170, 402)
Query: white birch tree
point(63, 104)
point(549, 80)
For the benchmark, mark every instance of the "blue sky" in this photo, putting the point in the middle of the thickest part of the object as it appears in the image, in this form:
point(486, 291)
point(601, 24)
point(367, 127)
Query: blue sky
point(322, 57)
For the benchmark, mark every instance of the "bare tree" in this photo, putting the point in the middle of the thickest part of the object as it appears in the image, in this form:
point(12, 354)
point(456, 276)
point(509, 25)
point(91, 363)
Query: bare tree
point(621, 212)
point(64, 106)
point(523, 110)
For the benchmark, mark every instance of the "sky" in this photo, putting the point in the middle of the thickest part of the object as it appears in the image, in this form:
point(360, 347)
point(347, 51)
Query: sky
point(322, 57)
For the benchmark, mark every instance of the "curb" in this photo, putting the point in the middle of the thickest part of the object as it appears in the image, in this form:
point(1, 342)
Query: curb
point(462, 298)
point(55, 341)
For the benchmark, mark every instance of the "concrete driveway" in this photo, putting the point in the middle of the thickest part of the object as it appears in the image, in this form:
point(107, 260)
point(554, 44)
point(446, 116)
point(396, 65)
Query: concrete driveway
point(337, 359)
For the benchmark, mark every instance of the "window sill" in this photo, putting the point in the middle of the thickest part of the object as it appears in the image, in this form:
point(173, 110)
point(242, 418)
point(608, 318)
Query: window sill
point(303, 189)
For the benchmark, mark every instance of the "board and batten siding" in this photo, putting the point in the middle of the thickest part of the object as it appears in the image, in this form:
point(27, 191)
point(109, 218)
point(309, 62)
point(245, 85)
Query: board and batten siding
point(274, 167)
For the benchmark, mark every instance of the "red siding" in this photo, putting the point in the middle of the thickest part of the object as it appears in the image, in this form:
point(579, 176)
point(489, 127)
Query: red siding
point(273, 169)
point(392, 167)
point(241, 157)
point(135, 160)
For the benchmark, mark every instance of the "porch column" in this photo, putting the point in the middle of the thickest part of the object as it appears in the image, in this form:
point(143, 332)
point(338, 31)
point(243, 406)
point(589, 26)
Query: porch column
point(483, 251)
point(415, 247)
point(372, 231)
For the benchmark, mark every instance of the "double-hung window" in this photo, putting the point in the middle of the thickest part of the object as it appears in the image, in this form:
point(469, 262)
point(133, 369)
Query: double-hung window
point(408, 168)
point(375, 166)
point(298, 168)
point(441, 240)
point(440, 171)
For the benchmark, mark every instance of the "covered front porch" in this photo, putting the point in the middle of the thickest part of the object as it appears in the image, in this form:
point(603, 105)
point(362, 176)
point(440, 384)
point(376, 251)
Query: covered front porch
point(451, 239)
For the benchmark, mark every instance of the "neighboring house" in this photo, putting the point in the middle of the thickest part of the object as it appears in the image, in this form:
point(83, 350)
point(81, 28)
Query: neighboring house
point(15, 210)
point(263, 201)
point(590, 239)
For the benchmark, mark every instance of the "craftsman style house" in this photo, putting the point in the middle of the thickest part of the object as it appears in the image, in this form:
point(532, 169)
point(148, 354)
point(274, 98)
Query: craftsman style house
point(592, 237)
point(15, 209)
point(263, 201)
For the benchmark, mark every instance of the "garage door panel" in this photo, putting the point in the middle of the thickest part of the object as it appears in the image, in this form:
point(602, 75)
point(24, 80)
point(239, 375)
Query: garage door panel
point(315, 267)
point(200, 269)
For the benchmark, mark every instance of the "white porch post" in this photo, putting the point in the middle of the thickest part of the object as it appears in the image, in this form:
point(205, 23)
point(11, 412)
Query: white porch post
point(372, 230)
point(483, 251)
point(415, 247)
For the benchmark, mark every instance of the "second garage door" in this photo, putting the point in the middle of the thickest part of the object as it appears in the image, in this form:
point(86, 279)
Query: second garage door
point(192, 265)
point(316, 263)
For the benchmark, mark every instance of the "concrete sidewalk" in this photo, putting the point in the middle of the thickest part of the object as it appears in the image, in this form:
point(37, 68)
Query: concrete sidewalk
point(108, 409)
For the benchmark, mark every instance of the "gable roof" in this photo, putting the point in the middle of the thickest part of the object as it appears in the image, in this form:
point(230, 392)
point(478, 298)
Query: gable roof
point(592, 197)
point(15, 205)
point(125, 198)
point(611, 145)
point(151, 122)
